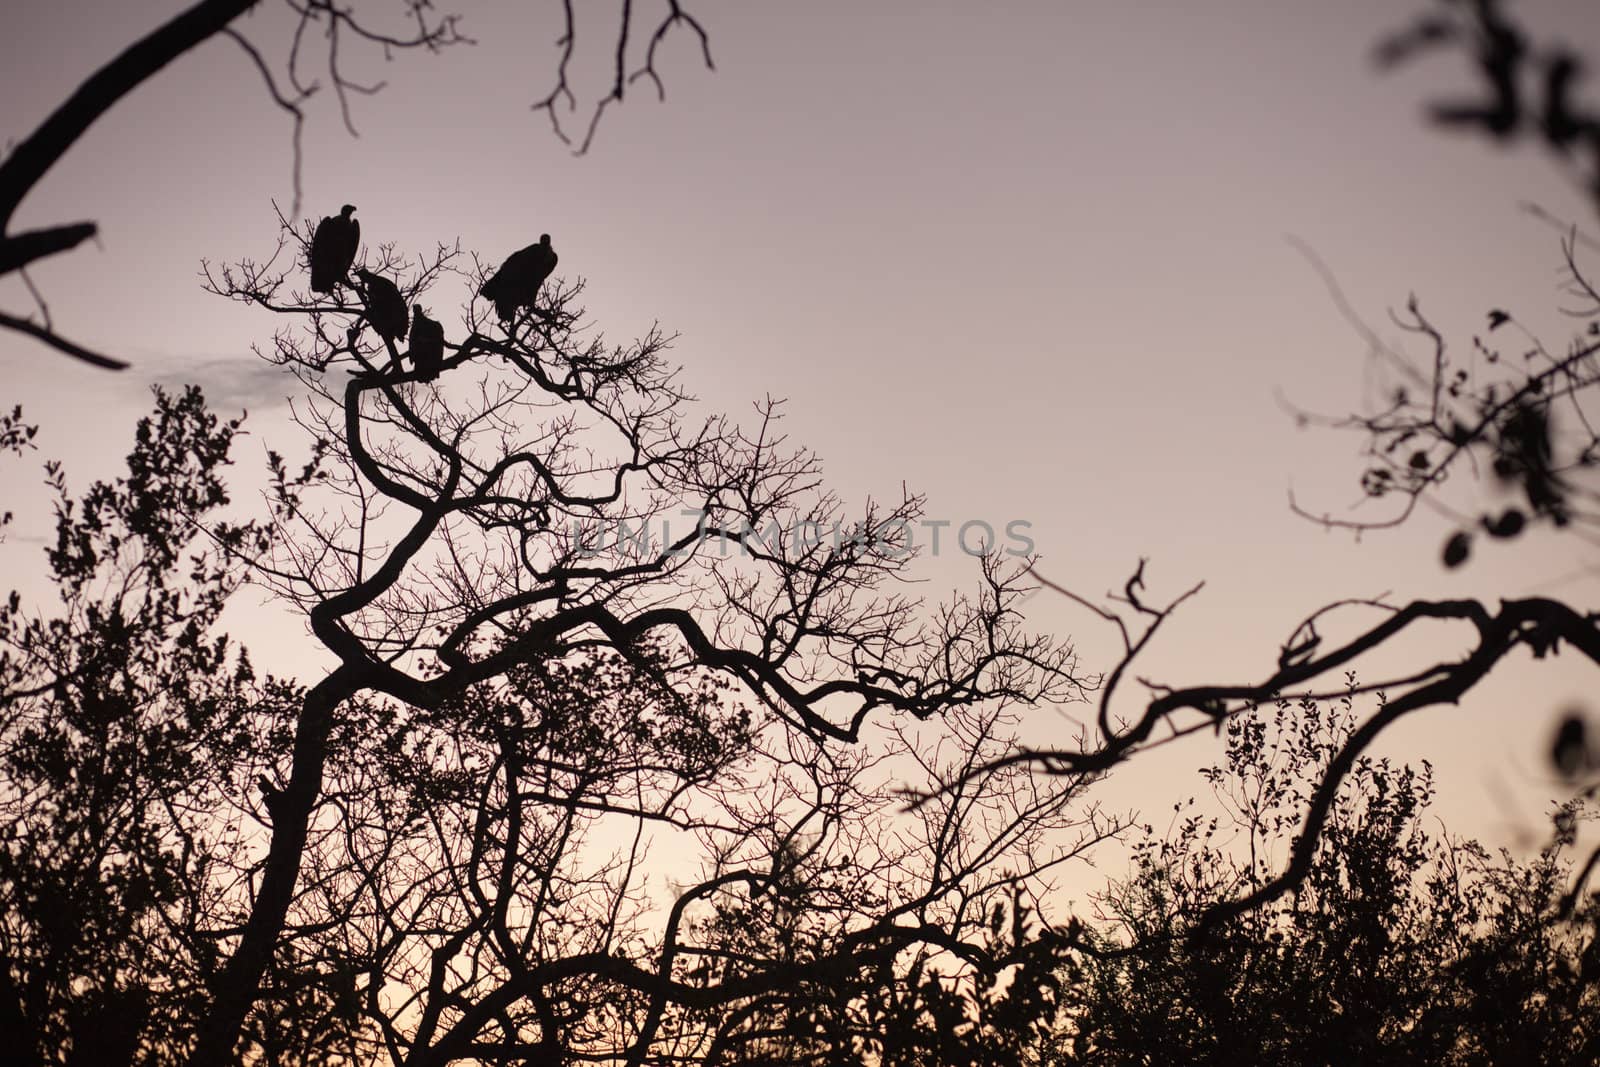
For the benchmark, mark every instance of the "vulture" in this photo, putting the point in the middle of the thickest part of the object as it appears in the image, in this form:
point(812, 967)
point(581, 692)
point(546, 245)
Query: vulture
point(386, 308)
point(427, 344)
point(517, 281)
point(333, 249)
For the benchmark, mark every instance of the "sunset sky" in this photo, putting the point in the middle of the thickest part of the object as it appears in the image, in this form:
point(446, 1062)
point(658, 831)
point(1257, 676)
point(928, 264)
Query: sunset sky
point(1032, 259)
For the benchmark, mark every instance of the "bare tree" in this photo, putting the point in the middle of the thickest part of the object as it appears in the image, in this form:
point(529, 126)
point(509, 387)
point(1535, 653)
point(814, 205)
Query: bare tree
point(576, 629)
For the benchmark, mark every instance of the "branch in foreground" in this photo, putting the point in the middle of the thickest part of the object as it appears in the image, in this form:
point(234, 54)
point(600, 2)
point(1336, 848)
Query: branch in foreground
point(142, 59)
point(28, 163)
point(1306, 661)
point(59, 343)
point(18, 251)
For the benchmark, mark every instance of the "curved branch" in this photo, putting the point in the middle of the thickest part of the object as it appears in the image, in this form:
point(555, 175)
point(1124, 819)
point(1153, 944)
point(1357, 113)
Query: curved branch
point(59, 343)
point(137, 64)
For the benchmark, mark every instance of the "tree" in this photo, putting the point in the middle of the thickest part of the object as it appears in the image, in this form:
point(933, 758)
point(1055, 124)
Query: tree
point(132, 734)
point(418, 453)
point(290, 87)
point(446, 847)
point(1402, 945)
point(534, 694)
point(1504, 401)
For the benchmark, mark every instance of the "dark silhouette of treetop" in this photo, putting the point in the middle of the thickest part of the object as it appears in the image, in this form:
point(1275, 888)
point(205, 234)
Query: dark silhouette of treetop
point(562, 606)
point(619, 738)
point(1405, 945)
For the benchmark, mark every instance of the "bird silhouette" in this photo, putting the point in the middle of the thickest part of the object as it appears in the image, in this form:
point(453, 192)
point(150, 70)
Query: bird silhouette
point(517, 282)
point(427, 344)
point(333, 249)
point(386, 308)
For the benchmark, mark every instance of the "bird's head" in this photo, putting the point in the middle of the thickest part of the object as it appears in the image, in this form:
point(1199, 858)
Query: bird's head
point(544, 239)
point(365, 275)
point(417, 308)
point(347, 210)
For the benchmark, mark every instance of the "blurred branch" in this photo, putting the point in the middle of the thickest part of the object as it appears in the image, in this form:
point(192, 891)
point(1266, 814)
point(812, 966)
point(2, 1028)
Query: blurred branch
point(38, 153)
point(28, 163)
point(1526, 90)
point(59, 343)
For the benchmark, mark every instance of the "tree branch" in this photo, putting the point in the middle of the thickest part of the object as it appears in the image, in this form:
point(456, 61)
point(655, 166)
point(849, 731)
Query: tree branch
point(59, 343)
point(17, 252)
point(36, 155)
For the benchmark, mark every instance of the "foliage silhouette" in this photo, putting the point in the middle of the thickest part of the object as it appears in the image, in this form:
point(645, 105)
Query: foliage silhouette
point(130, 732)
point(1402, 945)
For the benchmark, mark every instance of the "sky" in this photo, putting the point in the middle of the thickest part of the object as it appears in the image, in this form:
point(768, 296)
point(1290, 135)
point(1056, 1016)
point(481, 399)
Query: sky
point(1032, 259)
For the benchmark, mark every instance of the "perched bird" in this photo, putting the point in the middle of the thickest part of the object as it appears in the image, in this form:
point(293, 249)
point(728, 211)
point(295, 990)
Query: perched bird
point(333, 249)
point(427, 344)
point(517, 281)
point(386, 308)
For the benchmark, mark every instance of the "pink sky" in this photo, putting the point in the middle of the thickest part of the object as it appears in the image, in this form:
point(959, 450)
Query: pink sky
point(1028, 258)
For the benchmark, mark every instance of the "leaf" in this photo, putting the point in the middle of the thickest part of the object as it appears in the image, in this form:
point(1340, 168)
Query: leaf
point(1570, 753)
point(1457, 549)
point(1510, 523)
